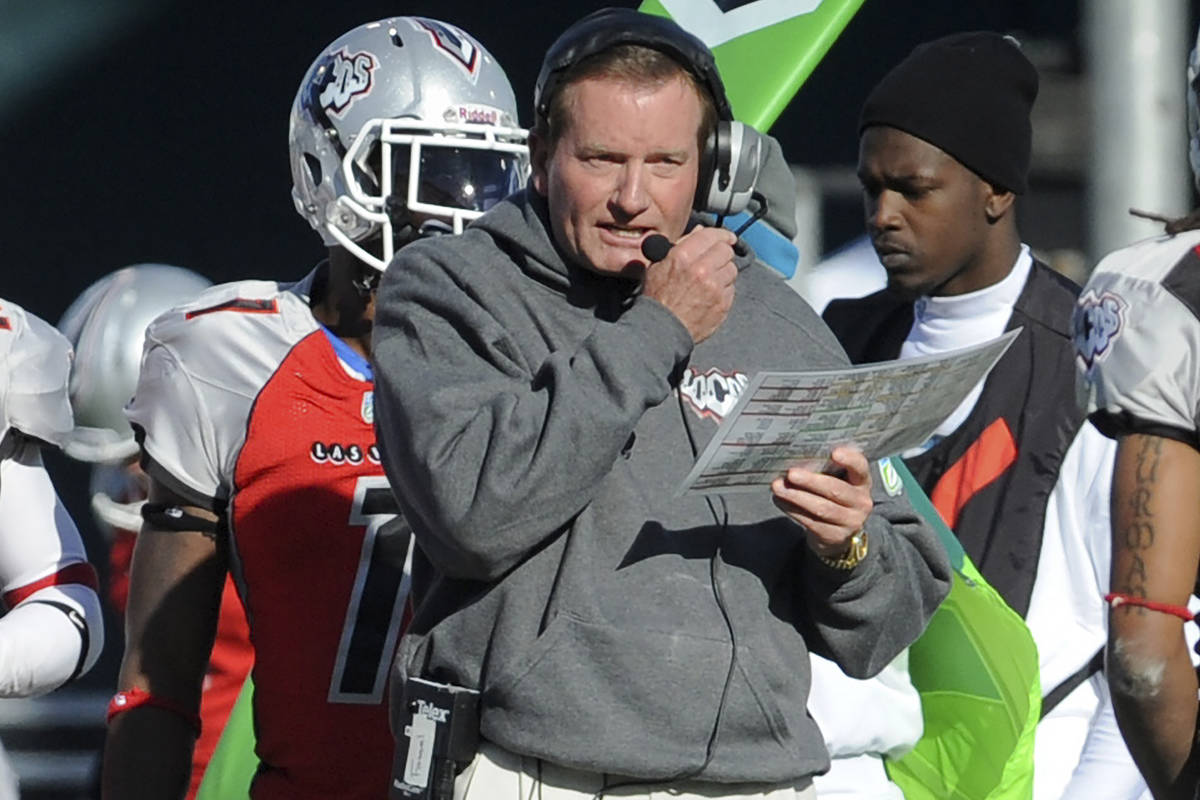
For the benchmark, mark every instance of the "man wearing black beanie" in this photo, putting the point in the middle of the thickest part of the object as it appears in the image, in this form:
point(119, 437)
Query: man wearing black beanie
point(944, 150)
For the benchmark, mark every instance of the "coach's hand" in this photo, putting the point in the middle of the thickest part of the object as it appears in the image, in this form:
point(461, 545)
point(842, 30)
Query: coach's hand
point(695, 280)
point(831, 508)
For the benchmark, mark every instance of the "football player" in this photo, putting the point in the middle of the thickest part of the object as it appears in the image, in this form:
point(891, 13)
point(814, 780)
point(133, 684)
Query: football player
point(255, 414)
point(1137, 345)
point(106, 326)
point(52, 631)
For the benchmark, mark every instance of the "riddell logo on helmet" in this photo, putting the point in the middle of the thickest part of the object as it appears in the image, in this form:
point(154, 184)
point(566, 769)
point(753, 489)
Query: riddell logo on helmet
point(479, 115)
point(350, 77)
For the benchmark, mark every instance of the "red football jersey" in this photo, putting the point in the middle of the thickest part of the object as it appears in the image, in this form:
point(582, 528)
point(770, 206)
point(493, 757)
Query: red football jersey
point(318, 553)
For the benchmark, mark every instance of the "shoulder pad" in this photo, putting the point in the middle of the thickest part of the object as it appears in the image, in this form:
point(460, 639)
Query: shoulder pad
point(35, 368)
point(231, 337)
point(231, 313)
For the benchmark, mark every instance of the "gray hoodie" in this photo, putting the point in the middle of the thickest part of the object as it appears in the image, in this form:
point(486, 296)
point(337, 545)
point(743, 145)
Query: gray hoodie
point(536, 420)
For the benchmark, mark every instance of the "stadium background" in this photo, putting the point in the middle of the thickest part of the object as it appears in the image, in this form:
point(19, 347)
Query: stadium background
point(155, 130)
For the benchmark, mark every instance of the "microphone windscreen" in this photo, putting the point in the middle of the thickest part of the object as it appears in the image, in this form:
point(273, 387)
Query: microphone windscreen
point(655, 247)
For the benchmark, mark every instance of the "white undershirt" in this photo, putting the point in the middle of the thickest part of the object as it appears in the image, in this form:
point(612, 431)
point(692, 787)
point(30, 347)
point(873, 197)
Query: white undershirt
point(941, 324)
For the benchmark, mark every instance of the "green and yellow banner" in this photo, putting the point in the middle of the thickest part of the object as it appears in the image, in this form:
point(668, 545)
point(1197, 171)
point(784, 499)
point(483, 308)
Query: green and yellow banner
point(765, 49)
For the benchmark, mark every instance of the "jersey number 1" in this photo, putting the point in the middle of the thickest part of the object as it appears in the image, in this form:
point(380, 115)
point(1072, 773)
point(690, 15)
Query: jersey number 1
point(377, 600)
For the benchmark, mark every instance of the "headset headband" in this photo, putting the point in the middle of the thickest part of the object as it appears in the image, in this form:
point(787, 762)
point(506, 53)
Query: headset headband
point(609, 27)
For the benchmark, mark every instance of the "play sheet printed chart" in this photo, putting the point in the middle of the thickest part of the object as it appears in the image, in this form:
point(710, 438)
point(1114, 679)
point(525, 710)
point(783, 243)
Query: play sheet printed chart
point(787, 419)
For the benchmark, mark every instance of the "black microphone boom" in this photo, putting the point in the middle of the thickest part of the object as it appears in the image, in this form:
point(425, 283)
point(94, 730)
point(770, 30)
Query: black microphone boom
point(655, 247)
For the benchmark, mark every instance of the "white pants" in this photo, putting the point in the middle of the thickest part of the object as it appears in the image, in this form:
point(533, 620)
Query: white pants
point(498, 774)
point(860, 777)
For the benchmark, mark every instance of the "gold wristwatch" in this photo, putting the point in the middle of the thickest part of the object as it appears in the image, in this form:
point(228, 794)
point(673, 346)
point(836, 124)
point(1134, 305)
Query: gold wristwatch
point(855, 553)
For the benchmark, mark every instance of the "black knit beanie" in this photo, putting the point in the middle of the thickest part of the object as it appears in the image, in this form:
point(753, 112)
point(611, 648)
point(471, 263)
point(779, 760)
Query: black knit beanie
point(968, 94)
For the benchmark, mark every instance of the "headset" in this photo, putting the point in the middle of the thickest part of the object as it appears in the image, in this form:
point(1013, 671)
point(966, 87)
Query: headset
point(734, 152)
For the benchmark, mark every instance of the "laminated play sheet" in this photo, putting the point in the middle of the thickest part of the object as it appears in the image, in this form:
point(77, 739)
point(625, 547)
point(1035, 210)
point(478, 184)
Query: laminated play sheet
point(786, 419)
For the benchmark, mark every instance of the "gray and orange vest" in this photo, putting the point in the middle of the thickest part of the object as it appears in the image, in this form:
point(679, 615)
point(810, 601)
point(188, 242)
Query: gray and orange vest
point(991, 479)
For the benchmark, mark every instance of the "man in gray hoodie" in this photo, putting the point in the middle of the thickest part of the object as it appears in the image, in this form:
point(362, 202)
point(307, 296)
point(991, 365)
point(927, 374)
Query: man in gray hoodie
point(542, 390)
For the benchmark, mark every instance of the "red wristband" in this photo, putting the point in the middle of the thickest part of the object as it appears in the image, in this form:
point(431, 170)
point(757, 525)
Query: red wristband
point(1115, 599)
point(135, 697)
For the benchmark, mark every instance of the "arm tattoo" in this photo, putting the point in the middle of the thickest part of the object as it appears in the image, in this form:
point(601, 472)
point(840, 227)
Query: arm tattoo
point(1138, 535)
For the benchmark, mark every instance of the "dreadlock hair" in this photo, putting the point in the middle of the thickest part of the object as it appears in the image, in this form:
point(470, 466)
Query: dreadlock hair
point(1188, 222)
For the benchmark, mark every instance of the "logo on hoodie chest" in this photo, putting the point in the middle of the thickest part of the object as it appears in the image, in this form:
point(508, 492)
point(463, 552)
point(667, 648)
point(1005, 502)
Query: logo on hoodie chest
point(714, 393)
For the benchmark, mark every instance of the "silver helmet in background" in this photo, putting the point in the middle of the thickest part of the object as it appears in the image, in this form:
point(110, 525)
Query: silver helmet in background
point(106, 325)
point(402, 127)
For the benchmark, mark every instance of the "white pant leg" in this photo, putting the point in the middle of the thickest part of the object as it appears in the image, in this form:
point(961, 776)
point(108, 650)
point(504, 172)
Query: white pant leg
point(497, 774)
point(1059, 741)
point(861, 777)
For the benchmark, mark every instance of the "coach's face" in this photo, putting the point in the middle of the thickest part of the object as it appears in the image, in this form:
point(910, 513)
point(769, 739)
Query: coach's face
point(624, 168)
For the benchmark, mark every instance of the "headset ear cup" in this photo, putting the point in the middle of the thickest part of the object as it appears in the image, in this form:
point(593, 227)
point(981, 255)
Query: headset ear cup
point(707, 169)
point(738, 161)
point(716, 168)
point(730, 170)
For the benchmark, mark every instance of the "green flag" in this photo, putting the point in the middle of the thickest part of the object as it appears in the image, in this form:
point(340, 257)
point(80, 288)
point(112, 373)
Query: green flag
point(233, 763)
point(976, 669)
point(765, 49)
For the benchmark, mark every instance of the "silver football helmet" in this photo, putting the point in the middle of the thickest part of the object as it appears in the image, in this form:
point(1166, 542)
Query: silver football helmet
point(107, 325)
point(1193, 110)
point(402, 127)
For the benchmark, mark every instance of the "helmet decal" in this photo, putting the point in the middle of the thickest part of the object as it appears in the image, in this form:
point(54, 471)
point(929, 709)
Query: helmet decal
point(476, 114)
point(453, 42)
point(349, 77)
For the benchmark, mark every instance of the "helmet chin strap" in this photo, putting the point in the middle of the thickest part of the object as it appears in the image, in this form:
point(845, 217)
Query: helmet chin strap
point(367, 282)
point(403, 229)
point(434, 227)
